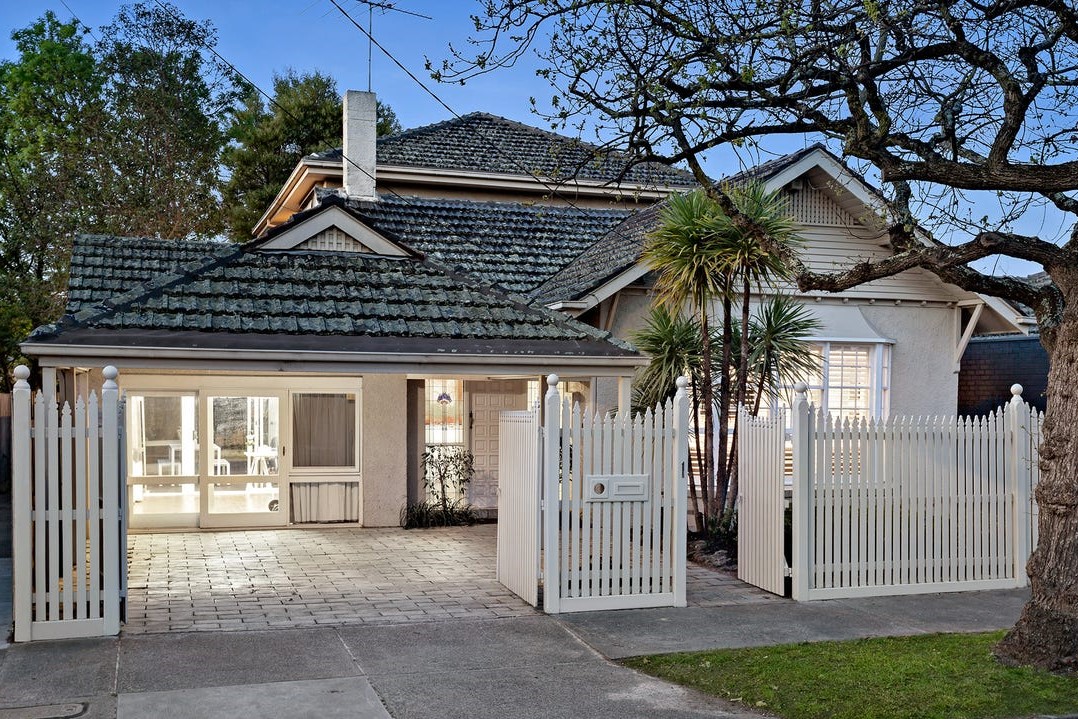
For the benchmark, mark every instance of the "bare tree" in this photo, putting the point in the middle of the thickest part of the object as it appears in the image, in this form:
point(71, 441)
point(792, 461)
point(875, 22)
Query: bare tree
point(940, 99)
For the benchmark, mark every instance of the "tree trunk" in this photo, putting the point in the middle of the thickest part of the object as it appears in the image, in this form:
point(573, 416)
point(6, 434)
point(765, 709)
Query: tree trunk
point(706, 394)
point(722, 479)
point(697, 511)
point(742, 388)
point(1046, 635)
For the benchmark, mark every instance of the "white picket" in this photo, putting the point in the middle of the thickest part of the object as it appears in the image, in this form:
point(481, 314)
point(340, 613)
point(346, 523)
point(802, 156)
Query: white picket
point(66, 560)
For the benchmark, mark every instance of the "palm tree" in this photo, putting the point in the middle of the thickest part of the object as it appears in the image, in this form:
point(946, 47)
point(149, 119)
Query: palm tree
point(750, 266)
point(675, 348)
point(692, 270)
point(781, 353)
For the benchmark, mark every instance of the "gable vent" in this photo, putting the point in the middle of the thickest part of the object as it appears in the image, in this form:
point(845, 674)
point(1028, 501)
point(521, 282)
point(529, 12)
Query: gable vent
point(335, 239)
point(815, 207)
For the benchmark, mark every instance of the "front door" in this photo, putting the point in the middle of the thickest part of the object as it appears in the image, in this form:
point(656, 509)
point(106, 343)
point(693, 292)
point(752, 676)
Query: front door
point(487, 401)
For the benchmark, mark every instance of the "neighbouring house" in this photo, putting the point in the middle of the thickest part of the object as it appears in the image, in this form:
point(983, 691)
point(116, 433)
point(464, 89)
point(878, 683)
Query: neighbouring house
point(400, 293)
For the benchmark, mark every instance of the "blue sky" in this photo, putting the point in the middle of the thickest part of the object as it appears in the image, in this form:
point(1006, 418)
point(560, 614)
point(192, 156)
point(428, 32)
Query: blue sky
point(261, 38)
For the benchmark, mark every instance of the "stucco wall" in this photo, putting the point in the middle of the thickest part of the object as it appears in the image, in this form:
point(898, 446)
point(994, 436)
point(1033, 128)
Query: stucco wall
point(385, 451)
point(923, 377)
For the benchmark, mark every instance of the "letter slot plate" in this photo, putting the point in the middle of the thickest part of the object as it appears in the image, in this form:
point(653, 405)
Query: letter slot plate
point(617, 487)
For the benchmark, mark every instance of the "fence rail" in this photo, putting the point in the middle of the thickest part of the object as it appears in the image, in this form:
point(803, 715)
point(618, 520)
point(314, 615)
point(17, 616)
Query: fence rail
point(904, 505)
point(66, 479)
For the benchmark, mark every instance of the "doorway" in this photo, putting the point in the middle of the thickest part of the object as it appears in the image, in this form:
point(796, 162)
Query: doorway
point(231, 478)
point(240, 451)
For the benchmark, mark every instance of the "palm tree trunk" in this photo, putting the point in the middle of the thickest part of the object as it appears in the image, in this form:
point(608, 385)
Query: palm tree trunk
point(742, 387)
point(722, 480)
point(698, 513)
point(706, 395)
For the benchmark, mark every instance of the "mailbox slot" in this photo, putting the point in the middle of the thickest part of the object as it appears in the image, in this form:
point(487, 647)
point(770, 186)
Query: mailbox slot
point(617, 487)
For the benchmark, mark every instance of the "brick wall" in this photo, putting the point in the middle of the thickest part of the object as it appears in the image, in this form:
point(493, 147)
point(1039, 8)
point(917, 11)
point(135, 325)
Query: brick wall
point(992, 364)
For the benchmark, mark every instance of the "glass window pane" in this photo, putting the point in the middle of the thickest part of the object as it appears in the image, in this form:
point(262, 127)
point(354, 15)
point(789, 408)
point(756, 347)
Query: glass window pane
point(162, 436)
point(246, 435)
point(445, 411)
point(244, 498)
point(324, 430)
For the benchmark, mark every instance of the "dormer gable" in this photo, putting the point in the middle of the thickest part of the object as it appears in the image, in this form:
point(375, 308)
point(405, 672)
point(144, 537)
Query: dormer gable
point(329, 227)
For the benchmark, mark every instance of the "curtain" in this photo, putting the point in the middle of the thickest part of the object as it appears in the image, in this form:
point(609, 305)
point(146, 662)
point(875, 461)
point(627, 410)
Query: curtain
point(324, 430)
point(325, 502)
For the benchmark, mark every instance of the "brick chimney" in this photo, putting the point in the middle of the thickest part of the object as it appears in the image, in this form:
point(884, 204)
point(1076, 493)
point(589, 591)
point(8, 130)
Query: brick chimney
point(360, 130)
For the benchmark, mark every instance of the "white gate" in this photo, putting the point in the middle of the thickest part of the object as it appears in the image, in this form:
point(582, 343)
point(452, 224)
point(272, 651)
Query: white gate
point(761, 500)
point(912, 505)
point(518, 504)
point(67, 480)
point(615, 506)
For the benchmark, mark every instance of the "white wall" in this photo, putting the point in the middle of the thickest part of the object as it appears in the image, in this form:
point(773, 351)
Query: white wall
point(385, 449)
point(923, 380)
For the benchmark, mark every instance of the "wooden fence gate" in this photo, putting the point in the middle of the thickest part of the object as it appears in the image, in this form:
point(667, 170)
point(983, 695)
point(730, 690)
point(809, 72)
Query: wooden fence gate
point(67, 502)
point(761, 501)
point(898, 506)
point(518, 503)
point(610, 499)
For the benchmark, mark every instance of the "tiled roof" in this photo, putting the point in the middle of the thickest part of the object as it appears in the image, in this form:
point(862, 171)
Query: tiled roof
point(620, 248)
point(616, 251)
point(509, 244)
point(480, 142)
point(207, 287)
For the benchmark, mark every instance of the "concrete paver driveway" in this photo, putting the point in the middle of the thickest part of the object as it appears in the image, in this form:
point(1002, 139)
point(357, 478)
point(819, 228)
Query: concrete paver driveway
point(209, 581)
point(199, 581)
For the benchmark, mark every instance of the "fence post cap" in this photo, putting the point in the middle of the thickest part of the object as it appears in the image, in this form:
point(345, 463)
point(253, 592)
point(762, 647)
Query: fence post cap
point(552, 380)
point(682, 382)
point(1016, 390)
point(110, 373)
point(800, 388)
point(22, 373)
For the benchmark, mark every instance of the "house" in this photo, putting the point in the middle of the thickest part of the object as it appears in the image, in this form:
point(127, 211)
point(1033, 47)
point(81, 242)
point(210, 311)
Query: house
point(296, 378)
point(893, 346)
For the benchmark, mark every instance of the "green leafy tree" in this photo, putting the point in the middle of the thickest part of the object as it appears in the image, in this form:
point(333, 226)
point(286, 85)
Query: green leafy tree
point(269, 139)
point(122, 136)
point(168, 103)
point(51, 111)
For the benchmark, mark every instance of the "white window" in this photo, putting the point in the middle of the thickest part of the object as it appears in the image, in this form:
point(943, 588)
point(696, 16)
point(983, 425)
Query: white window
point(853, 382)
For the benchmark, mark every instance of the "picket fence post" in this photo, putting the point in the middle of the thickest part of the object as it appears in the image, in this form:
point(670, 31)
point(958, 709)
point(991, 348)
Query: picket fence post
point(681, 488)
point(21, 479)
point(801, 426)
point(551, 450)
point(1021, 477)
point(111, 555)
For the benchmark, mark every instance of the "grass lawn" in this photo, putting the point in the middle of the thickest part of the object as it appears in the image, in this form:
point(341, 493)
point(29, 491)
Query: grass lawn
point(940, 675)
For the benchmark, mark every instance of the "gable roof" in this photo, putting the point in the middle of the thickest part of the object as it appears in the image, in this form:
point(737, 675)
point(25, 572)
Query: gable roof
point(613, 260)
point(216, 295)
point(509, 244)
point(481, 142)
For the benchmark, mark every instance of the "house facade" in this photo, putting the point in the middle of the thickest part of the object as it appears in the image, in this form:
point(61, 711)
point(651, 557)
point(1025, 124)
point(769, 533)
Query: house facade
point(401, 293)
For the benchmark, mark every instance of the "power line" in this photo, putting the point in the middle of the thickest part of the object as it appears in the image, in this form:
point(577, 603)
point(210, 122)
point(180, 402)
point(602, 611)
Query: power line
point(265, 94)
point(495, 146)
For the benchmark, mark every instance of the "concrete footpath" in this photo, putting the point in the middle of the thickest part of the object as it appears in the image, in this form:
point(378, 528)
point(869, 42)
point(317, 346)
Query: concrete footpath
point(535, 666)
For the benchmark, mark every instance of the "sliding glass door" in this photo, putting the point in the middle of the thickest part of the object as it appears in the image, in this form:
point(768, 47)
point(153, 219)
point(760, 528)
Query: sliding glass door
point(163, 474)
point(242, 486)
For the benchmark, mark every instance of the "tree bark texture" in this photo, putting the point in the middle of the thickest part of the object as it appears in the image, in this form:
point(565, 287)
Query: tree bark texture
point(1046, 635)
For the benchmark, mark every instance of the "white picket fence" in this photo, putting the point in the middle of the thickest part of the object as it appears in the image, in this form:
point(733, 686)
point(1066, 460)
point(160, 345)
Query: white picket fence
point(612, 505)
point(518, 503)
point(67, 475)
point(761, 500)
point(897, 506)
